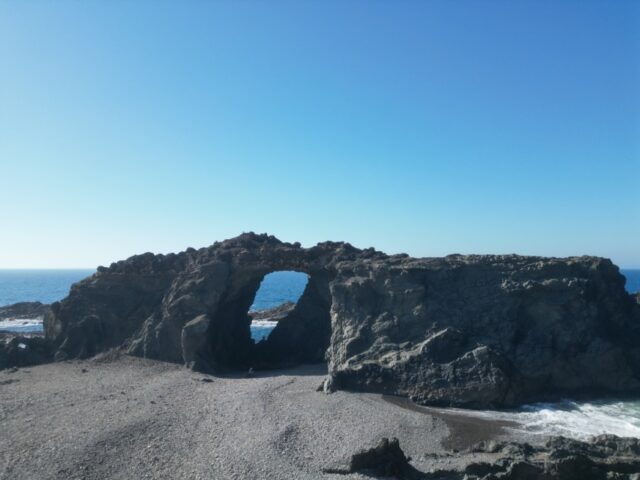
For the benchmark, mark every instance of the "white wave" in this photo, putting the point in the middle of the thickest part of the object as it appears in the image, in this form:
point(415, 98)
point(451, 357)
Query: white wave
point(20, 322)
point(263, 323)
point(579, 420)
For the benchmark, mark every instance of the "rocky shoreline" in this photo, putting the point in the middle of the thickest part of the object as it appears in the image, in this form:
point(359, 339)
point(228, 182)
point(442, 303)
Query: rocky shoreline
point(122, 417)
point(600, 458)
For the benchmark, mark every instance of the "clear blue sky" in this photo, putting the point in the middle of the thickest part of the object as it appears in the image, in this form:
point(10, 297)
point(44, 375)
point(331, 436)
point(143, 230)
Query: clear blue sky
point(422, 127)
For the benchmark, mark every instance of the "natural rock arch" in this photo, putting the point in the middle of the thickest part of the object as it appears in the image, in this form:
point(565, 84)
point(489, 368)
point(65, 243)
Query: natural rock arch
point(222, 338)
point(192, 307)
point(475, 330)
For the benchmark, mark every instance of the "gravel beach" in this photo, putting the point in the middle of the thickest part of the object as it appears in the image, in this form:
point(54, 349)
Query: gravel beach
point(125, 418)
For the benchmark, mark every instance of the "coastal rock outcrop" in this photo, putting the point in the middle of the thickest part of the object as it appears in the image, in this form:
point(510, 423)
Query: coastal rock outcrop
point(476, 331)
point(600, 458)
point(23, 310)
point(482, 331)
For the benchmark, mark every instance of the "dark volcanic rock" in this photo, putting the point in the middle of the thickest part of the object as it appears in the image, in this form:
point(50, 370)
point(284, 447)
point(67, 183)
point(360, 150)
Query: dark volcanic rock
point(385, 459)
point(483, 331)
point(461, 330)
point(24, 351)
point(24, 310)
point(603, 457)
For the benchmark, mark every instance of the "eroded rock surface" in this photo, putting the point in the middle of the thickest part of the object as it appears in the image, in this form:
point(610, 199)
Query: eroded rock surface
point(385, 459)
point(603, 457)
point(483, 331)
point(479, 331)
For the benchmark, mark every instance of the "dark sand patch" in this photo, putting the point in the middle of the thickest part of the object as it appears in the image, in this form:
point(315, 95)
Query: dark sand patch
point(464, 431)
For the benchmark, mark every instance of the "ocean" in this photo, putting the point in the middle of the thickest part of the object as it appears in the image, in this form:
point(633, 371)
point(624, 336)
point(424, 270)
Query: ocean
point(569, 418)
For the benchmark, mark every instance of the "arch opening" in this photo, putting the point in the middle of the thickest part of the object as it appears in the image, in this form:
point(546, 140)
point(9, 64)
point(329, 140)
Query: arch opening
point(259, 330)
point(301, 334)
point(276, 297)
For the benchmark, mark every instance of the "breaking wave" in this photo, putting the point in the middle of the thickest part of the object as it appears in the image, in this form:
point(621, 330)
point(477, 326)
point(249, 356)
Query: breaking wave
point(579, 420)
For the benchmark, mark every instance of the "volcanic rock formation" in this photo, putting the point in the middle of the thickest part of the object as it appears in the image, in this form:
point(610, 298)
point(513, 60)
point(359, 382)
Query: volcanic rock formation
point(474, 330)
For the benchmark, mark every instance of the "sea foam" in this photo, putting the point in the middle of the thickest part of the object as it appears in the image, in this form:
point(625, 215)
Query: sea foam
point(579, 420)
point(22, 325)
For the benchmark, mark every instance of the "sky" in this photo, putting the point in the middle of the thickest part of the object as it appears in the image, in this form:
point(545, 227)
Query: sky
point(426, 127)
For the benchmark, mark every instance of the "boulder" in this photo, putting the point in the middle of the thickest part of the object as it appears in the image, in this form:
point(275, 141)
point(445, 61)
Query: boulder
point(385, 459)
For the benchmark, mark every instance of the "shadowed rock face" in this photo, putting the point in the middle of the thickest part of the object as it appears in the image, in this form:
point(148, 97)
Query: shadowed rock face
point(460, 330)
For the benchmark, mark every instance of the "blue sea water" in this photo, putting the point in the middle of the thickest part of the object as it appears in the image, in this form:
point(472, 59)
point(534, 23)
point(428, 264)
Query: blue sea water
point(46, 286)
point(278, 288)
point(633, 279)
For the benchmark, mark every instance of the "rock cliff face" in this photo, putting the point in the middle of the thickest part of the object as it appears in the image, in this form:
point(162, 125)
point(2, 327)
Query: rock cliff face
point(460, 330)
point(484, 330)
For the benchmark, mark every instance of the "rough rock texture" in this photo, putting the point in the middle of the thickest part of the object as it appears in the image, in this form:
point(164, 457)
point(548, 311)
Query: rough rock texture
point(601, 458)
point(483, 331)
point(461, 330)
point(23, 310)
point(385, 459)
